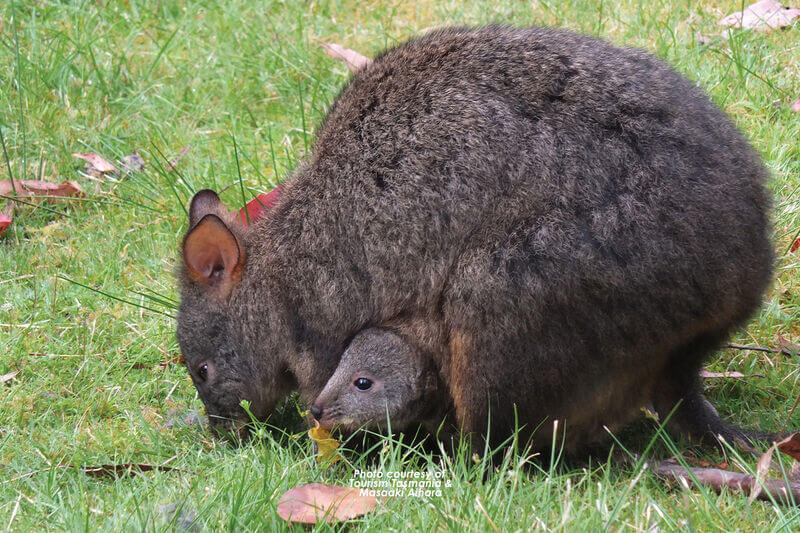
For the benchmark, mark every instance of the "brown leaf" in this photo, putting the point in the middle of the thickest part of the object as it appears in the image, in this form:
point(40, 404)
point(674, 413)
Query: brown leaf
point(731, 375)
point(5, 221)
point(791, 446)
point(9, 376)
point(33, 188)
point(315, 502)
point(40, 188)
point(762, 469)
point(352, 59)
point(132, 163)
point(766, 14)
point(96, 164)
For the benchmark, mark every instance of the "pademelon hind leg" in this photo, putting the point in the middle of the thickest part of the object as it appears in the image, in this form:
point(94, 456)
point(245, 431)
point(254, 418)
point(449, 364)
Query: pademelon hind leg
point(678, 395)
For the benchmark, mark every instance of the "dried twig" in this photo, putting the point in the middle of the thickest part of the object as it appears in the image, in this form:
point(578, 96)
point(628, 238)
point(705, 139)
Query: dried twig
point(717, 479)
point(783, 350)
point(174, 163)
point(354, 61)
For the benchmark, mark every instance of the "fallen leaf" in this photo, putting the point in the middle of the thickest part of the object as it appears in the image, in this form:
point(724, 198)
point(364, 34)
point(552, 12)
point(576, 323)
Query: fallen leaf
point(255, 208)
point(732, 375)
point(352, 59)
point(9, 376)
point(6, 188)
point(40, 188)
point(762, 469)
point(5, 221)
point(326, 445)
point(791, 446)
point(96, 164)
point(796, 243)
point(796, 109)
point(315, 502)
point(766, 14)
point(33, 188)
point(132, 163)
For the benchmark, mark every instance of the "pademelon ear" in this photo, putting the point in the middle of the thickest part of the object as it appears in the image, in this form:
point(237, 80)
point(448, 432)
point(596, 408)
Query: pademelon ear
point(204, 203)
point(212, 254)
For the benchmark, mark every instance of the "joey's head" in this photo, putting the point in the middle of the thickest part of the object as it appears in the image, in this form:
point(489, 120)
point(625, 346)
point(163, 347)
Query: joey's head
point(379, 375)
point(219, 355)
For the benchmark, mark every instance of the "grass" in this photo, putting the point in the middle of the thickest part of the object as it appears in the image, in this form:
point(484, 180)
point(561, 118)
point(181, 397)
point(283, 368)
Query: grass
point(243, 83)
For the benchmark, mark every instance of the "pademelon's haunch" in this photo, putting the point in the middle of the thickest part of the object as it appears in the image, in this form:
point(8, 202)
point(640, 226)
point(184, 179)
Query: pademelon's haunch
point(566, 229)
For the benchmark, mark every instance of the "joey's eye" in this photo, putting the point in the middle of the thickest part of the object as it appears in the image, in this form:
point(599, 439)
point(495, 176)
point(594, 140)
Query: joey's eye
point(202, 371)
point(362, 384)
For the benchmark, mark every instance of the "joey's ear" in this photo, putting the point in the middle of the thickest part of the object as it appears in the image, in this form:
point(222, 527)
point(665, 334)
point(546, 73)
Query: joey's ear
point(205, 202)
point(213, 255)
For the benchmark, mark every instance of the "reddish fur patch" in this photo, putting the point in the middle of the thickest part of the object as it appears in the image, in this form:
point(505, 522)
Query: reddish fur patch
point(459, 372)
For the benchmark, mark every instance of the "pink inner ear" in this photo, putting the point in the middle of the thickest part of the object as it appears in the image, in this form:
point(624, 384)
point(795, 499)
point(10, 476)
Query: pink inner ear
point(208, 262)
point(210, 250)
point(257, 207)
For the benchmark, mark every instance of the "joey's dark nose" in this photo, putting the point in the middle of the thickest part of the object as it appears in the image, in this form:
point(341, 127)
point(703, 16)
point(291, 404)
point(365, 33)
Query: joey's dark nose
point(316, 411)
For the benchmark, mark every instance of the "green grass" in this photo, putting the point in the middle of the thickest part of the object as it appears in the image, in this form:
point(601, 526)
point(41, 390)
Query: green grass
point(247, 78)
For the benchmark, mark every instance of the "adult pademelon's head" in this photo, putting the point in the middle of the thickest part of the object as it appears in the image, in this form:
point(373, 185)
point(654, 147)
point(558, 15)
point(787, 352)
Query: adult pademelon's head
point(223, 366)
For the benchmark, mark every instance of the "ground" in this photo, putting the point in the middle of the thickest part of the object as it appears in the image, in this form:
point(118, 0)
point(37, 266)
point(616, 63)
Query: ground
point(87, 291)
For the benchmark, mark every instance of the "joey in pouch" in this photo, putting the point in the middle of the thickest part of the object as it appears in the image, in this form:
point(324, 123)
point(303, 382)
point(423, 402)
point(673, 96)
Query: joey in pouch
point(381, 382)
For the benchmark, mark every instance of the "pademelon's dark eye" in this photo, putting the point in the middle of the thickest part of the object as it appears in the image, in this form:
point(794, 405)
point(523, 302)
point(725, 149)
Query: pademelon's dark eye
point(202, 371)
point(362, 384)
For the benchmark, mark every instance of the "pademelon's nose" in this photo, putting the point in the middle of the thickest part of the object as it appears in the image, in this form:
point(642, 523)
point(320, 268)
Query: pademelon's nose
point(316, 411)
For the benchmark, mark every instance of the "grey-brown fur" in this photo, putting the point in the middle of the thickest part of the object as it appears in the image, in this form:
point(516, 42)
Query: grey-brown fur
point(403, 386)
point(565, 228)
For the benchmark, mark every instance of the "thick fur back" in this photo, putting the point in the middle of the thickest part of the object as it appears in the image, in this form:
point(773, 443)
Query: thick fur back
point(544, 209)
